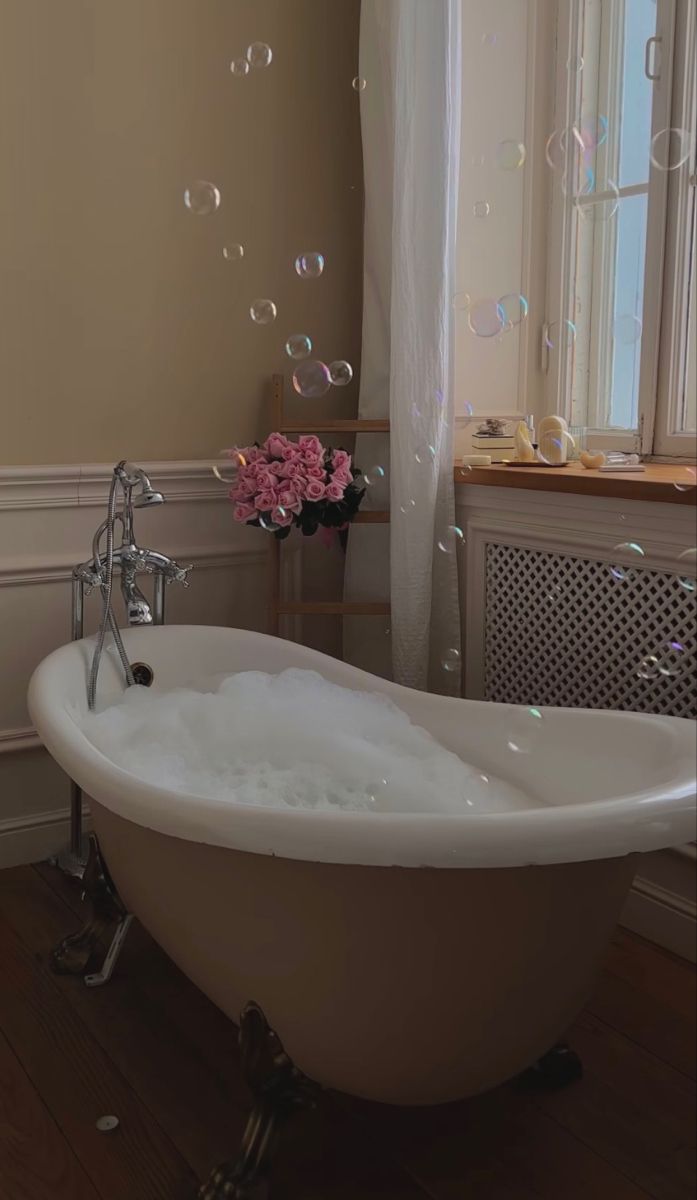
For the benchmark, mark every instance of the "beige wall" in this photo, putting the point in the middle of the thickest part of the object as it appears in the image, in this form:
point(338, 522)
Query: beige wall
point(122, 329)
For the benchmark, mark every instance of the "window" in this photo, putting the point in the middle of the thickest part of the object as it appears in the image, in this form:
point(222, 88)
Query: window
point(592, 222)
point(621, 268)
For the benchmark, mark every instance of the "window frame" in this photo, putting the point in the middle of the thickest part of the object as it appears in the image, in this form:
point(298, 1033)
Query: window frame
point(664, 331)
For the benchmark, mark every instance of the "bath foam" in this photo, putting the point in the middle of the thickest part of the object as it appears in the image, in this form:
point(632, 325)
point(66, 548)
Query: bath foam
point(292, 740)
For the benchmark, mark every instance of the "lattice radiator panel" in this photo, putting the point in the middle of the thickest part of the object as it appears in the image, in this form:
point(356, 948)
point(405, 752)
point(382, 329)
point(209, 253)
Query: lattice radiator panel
point(561, 630)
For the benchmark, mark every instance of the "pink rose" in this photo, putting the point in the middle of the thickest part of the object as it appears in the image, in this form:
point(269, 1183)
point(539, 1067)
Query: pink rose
point(309, 444)
point(290, 470)
point(243, 512)
point(334, 490)
point(290, 452)
point(275, 444)
point(341, 460)
point(266, 480)
point(276, 468)
point(265, 500)
point(316, 473)
point(342, 476)
point(253, 454)
point(245, 487)
point(315, 490)
point(280, 516)
point(289, 498)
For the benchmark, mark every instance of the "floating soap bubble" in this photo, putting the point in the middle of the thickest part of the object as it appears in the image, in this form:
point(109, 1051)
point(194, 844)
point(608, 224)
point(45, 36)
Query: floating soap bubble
point(425, 453)
point(239, 67)
point(510, 155)
point(298, 345)
point(233, 252)
point(670, 148)
point(310, 264)
point(626, 329)
point(514, 308)
point(554, 593)
point(451, 660)
point(481, 208)
point(575, 64)
point(377, 791)
point(560, 335)
point(340, 372)
point(486, 318)
point(648, 667)
point(202, 198)
point(450, 539)
point(555, 150)
point(461, 301)
point(635, 552)
point(259, 55)
point(591, 132)
point(468, 409)
point(407, 508)
point(267, 522)
point(598, 205)
point(359, 84)
point(524, 730)
point(687, 481)
point(263, 311)
point(311, 379)
point(227, 472)
point(374, 475)
point(489, 39)
point(672, 659)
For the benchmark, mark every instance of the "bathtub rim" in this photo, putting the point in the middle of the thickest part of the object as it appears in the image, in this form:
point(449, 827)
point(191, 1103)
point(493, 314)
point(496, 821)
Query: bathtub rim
point(636, 822)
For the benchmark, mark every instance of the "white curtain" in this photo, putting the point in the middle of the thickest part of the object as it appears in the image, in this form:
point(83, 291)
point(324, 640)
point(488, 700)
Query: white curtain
point(410, 110)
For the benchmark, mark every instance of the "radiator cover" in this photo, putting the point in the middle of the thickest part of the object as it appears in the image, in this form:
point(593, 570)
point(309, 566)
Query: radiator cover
point(561, 630)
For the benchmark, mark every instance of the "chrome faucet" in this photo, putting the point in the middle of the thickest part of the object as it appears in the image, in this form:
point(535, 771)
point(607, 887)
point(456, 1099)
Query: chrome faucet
point(129, 557)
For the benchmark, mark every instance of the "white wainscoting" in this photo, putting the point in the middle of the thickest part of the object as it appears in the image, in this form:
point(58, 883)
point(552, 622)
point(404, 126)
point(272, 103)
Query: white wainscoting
point(662, 903)
point(48, 516)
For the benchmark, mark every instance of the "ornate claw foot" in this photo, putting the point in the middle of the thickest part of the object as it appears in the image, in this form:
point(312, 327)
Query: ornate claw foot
point(73, 954)
point(558, 1067)
point(278, 1088)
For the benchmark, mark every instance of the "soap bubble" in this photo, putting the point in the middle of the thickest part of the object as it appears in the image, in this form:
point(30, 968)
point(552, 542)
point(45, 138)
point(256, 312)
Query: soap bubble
point(672, 659)
point(593, 211)
point(626, 329)
point(259, 54)
point(524, 730)
point(227, 472)
point(425, 453)
point(670, 148)
point(687, 481)
point(648, 667)
point(514, 308)
point(239, 67)
point(489, 39)
point(451, 660)
point(575, 64)
point(450, 539)
point(374, 475)
point(310, 264)
point(202, 198)
point(486, 318)
point(376, 790)
point(510, 155)
point(481, 208)
point(311, 379)
point(233, 253)
point(359, 84)
point(560, 335)
point(340, 372)
point(461, 301)
point(263, 312)
point(619, 571)
point(298, 345)
point(267, 522)
point(555, 593)
point(407, 508)
point(689, 558)
point(591, 132)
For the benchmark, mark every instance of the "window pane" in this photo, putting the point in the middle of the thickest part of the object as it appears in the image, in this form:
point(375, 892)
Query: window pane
point(636, 93)
point(688, 416)
point(626, 307)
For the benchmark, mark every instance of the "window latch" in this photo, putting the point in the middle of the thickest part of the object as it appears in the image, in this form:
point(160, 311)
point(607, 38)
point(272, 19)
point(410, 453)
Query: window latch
point(652, 58)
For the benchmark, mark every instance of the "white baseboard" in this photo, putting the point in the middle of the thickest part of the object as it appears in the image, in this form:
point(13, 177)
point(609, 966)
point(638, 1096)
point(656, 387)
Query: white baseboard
point(662, 917)
point(35, 837)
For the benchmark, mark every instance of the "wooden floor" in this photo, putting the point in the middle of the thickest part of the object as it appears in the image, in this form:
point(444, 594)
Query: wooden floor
point(150, 1049)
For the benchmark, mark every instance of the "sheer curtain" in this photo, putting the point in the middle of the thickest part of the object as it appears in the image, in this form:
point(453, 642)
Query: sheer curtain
point(410, 108)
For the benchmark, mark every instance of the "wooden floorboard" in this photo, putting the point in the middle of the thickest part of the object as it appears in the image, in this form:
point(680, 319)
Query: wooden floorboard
point(152, 1049)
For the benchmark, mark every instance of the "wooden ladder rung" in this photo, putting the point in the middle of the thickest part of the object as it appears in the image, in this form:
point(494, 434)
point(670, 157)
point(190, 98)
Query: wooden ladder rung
point(346, 608)
point(366, 426)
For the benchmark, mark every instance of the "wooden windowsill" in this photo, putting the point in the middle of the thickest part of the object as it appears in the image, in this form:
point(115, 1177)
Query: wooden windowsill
point(662, 482)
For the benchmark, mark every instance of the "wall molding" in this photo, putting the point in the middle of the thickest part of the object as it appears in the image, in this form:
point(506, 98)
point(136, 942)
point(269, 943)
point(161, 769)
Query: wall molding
point(87, 484)
point(662, 916)
point(38, 568)
point(35, 837)
point(17, 741)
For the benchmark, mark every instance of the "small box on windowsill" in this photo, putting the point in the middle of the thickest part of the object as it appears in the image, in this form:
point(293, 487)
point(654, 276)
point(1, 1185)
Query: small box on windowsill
point(491, 438)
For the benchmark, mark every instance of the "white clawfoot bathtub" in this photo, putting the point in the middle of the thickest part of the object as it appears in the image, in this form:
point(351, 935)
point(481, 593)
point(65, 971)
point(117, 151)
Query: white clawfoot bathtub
point(404, 957)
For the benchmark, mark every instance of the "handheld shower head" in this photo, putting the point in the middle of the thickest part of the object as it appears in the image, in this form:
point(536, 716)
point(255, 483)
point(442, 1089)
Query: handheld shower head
point(147, 497)
point(130, 477)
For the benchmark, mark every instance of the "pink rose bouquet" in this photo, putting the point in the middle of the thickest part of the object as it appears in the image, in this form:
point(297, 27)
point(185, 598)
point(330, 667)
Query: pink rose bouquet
point(282, 483)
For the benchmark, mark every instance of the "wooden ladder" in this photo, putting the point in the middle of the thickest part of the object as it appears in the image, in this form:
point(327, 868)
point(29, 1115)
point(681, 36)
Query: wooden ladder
point(278, 607)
